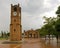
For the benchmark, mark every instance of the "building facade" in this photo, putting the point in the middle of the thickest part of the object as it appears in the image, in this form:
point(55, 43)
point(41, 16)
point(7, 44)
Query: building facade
point(15, 23)
point(31, 34)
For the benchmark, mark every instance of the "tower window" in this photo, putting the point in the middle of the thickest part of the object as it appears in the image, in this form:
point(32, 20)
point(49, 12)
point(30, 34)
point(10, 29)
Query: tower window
point(14, 30)
point(14, 20)
point(20, 26)
point(15, 9)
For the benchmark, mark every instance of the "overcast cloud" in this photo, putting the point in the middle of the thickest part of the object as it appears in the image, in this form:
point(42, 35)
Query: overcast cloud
point(32, 12)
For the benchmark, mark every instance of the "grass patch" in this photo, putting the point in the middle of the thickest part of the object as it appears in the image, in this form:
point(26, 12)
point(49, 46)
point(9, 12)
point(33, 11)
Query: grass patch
point(3, 38)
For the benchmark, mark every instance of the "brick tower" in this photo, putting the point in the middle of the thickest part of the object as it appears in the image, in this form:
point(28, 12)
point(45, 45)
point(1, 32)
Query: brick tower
point(15, 24)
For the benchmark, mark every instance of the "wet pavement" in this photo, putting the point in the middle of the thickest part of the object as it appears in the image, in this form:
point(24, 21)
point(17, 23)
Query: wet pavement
point(32, 43)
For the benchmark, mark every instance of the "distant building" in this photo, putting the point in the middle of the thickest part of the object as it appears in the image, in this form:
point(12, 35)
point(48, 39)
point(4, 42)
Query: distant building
point(31, 34)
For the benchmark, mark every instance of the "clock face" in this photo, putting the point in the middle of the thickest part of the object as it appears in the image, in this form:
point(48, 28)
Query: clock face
point(14, 13)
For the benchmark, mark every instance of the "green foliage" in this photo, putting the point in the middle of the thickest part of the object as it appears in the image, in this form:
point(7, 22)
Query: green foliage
point(8, 34)
point(58, 11)
point(49, 26)
point(57, 25)
point(4, 35)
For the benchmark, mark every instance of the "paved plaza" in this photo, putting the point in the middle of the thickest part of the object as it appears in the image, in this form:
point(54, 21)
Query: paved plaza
point(32, 43)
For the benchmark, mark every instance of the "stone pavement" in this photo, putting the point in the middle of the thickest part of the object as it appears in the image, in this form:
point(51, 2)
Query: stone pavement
point(29, 43)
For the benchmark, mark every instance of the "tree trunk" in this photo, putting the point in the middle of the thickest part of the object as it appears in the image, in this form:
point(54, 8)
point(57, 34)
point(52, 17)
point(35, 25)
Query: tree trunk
point(49, 36)
point(45, 37)
point(52, 37)
point(57, 39)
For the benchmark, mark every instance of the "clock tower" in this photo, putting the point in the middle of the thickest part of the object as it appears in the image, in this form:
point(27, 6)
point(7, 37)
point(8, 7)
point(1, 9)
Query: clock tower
point(15, 23)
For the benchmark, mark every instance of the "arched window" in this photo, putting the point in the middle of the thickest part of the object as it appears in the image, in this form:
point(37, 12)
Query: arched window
point(15, 8)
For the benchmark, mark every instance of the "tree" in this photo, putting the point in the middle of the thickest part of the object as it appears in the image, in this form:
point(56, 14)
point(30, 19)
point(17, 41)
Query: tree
point(2, 34)
point(8, 33)
point(50, 25)
point(57, 25)
point(58, 12)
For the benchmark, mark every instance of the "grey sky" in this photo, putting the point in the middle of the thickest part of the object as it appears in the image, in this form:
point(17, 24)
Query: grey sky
point(32, 12)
